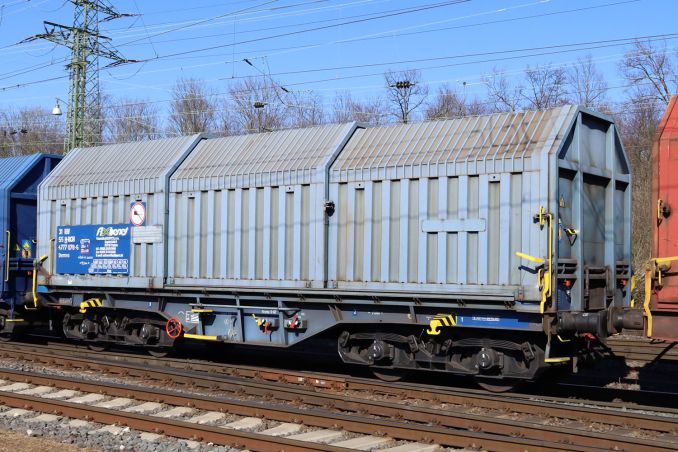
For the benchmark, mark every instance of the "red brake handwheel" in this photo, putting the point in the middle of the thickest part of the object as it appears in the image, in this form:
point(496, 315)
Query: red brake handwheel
point(173, 328)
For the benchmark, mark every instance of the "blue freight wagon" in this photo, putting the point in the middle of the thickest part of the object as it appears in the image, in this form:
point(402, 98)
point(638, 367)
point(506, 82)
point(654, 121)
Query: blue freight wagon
point(19, 180)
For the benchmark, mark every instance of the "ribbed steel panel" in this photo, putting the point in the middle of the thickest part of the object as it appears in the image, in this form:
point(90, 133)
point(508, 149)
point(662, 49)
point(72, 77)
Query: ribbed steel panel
point(97, 186)
point(13, 168)
point(471, 145)
point(664, 221)
point(275, 158)
point(443, 206)
point(115, 169)
point(19, 178)
point(248, 210)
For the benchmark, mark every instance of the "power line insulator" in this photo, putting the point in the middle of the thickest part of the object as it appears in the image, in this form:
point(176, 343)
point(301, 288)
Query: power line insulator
point(403, 84)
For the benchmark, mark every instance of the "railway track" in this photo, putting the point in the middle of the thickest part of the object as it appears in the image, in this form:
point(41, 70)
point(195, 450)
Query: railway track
point(399, 412)
point(588, 387)
point(644, 350)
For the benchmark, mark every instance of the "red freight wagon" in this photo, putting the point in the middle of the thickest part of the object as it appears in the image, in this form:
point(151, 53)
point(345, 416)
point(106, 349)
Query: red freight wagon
point(661, 281)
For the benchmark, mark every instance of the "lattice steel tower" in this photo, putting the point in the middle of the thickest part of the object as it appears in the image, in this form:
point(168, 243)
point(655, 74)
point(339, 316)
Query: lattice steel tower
point(87, 45)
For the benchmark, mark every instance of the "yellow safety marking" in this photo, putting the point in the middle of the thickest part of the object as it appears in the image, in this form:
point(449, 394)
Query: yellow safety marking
point(91, 303)
point(633, 287)
point(14, 320)
point(563, 359)
point(201, 337)
point(259, 321)
point(202, 310)
point(439, 321)
point(535, 259)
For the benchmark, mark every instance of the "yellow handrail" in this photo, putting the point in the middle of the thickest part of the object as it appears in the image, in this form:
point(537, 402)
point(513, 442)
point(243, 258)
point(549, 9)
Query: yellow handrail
point(654, 271)
point(9, 237)
point(50, 254)
point(34, 290)
point(546, 274)
point(543, 274)
point(646, 303)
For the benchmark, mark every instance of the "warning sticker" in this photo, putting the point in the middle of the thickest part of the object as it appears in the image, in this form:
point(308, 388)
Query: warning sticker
point(26, 249)
point(137, 213)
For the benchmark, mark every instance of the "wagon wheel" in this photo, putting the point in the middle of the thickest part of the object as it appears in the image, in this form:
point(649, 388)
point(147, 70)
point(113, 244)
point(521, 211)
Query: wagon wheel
point(173, 329)
point(160, 352)
point(98, 346)
point(497, 385)
point(6, 336)
point(388, 374)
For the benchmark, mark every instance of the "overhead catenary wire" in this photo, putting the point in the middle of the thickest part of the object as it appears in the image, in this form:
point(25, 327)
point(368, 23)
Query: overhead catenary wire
point(310, 30)
point(462, 26)
point(547, 50)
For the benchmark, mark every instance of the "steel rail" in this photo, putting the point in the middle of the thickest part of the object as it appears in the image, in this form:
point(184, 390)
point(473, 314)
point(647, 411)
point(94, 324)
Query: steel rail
point(447, 418)
point(173, 428)
point(212, 378)
point(317, 418)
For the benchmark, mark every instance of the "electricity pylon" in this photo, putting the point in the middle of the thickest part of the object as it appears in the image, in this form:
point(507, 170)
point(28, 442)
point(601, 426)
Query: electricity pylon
point(87, 45)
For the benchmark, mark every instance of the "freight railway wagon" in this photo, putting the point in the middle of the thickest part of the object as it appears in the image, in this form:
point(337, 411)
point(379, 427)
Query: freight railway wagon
point(19, 179)
point(661, 276)
point(480, 246)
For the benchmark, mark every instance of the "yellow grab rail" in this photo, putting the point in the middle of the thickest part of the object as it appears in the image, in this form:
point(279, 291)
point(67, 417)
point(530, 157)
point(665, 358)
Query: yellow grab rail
point(50, 255)
point(535, 259)
point(34, 290)
point(654, 271)
point(9, 237)
point(646, 302)
point(543, 274)
point(546, 292)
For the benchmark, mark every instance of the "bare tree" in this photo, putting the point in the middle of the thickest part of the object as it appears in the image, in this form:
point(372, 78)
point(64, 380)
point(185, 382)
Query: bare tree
point(193, 107)
point(449, 103)
point(501, 95)
point(545, 88)
point(637, 122)
point(342, 108)
point(346, 108)
point(405, 92)
point(30, 130)
point(587, 86)
point(306, 109)
point(258, 105)
point(133, 120)
point(226, 121)
point(651, 65)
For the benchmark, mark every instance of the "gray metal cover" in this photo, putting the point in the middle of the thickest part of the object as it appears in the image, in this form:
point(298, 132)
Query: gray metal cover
point(474, 144)
point(248, 210)
point(264, 159)
point(443, 206)
point(115, 169)
point(96, 186)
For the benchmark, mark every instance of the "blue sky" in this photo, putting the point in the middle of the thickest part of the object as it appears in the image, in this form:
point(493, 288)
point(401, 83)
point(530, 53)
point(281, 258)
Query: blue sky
point(325, 45)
